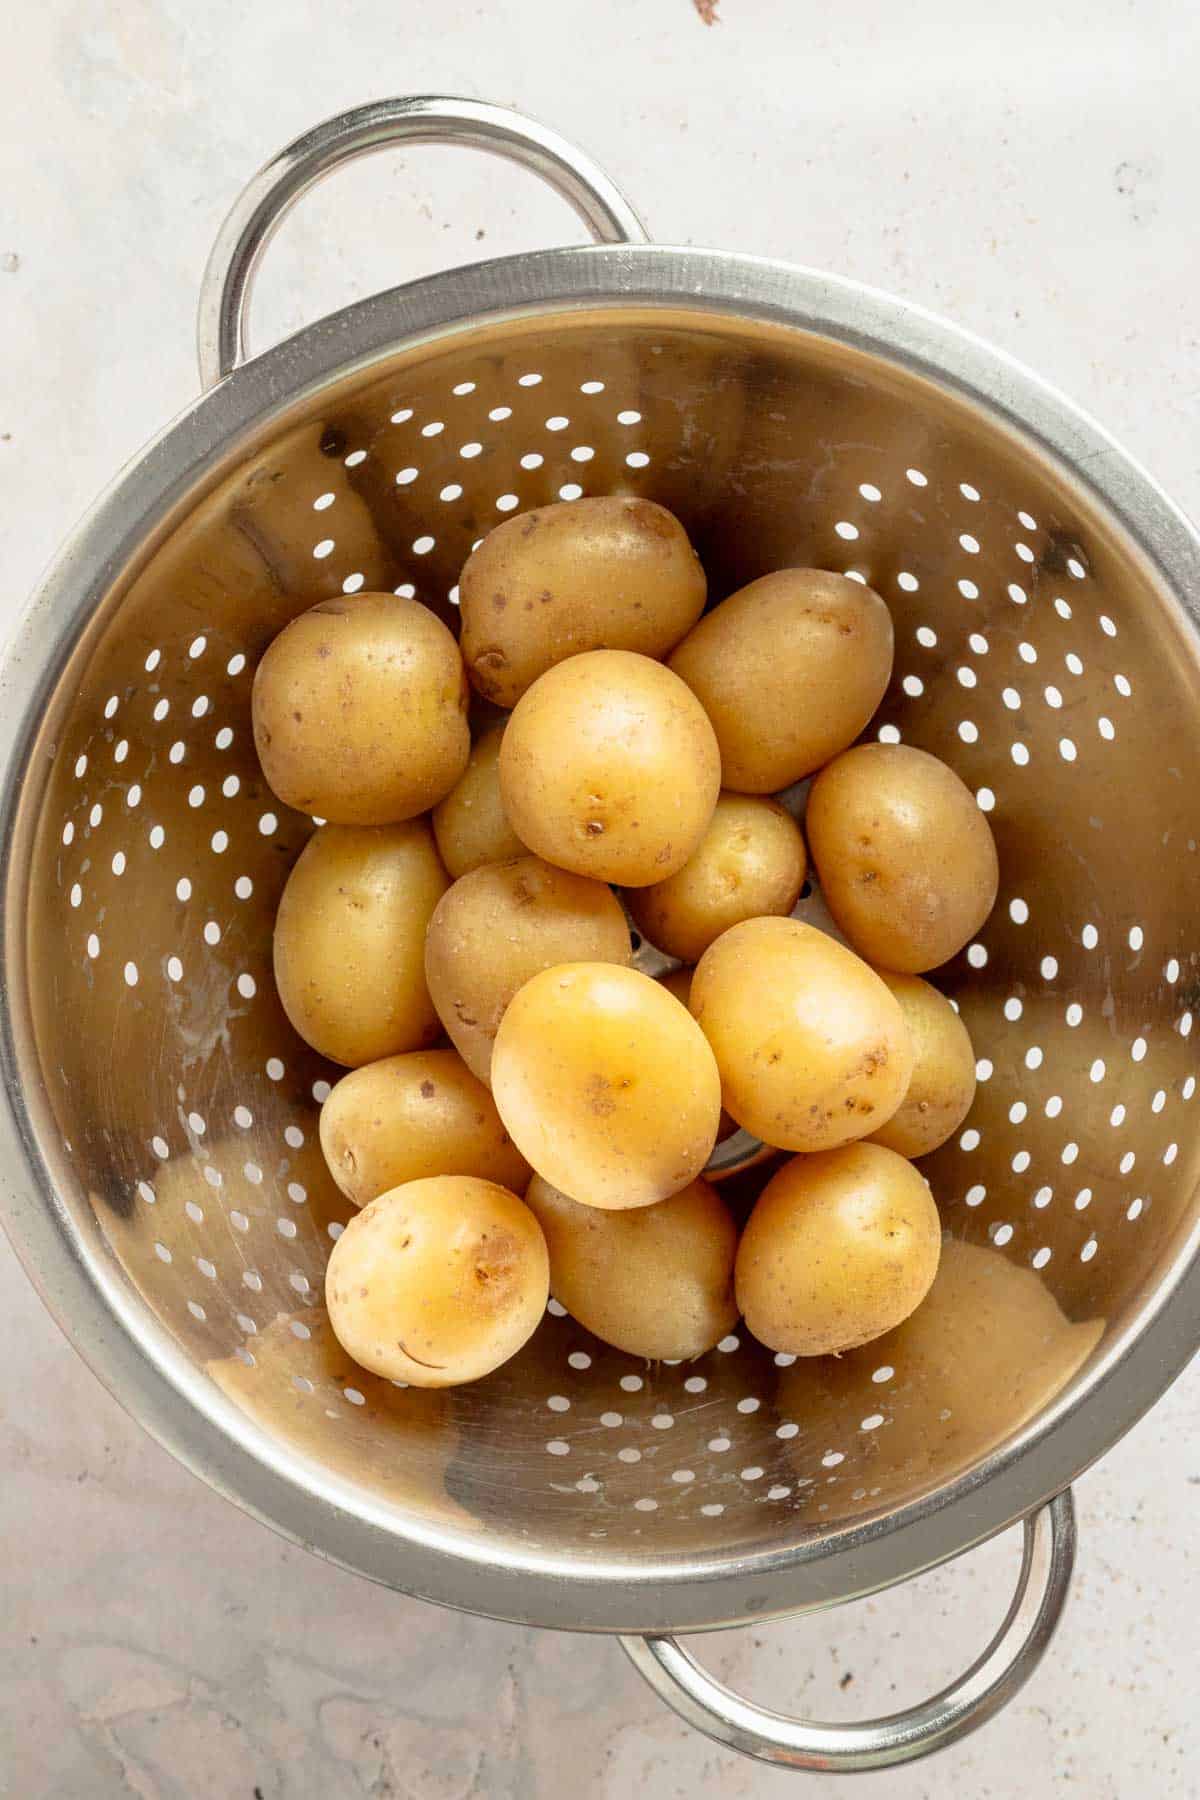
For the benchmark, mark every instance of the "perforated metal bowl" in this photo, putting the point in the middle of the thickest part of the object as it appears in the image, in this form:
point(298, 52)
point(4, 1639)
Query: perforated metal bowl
point(163, 1179)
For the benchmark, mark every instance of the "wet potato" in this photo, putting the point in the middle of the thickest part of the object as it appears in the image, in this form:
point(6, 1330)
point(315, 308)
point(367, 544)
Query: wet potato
point(606, 1085)
point(789, 670)
point(609, 573)
point(360, 711)
point(609, 768)
point(749, 864)
point(438, 1282)
point(656, 1281)
point(906, 860)
point(939, 1095)
point(812, 1048)
point(410, 1117)
point(502, 924)
point(840, 1248)
point(350, 938)
point(470, 824)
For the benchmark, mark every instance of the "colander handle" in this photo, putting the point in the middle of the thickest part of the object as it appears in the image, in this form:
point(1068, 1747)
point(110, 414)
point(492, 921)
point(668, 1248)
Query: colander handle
point(270, 195)
point(989, 1684)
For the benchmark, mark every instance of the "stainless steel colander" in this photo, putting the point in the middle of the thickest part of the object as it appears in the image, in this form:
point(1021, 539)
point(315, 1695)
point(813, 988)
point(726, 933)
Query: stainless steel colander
point(162, 1177)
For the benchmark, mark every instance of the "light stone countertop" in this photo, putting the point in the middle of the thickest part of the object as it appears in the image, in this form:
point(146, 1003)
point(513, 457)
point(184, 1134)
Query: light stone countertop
point(1028, 170)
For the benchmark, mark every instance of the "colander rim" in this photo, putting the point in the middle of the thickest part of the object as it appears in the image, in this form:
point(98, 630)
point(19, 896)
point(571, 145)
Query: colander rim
point(59, 1240)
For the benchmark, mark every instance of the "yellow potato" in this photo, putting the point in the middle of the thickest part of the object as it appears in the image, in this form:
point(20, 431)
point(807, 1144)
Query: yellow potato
point(350, 939)
point(606, 573)
point(413, 1116)
point(906, 860)
point(438, 1281)
point(500, 925)
point(656, 1281)
point(606, 1085)
point(470, 824)
point(360, 711)
point(789, 670)
point(840, 1248)
point(939, 1095)
point(610, 768)
point(812, 1048)
point(749, 863)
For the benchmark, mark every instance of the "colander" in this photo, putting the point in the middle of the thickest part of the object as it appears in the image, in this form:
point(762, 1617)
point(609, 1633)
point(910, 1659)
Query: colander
point(163, 1181)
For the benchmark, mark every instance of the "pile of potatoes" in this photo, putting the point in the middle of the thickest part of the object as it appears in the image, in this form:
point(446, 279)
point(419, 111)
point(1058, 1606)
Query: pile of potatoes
point(527, 1113)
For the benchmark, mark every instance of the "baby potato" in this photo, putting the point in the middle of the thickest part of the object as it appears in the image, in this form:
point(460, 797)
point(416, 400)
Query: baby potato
point(608, 573)
point(438, 1281)
point(789, 670)
point(610, 768)
point(907, 861)
point(840, 1248)
point(812, 1048)
point(939, 1095)
point(606, 1085)
point(350, 939)
point(502, 924)
point(750, 863)
point(470, 824)
point(656, 1281)
point(360, 711)
point(409, 1117)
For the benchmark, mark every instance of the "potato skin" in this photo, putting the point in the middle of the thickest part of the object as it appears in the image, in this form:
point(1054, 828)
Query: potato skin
point(939, 1095)
point(812, 1048)
point(360, 711)
point(503, 923)
point(438, 1282)
point(840, 1248)
point(470, 824)
point(750, 863)
point(410, 1117)
point(606, 1085)
point(350, 938)
point(789, 669)
point(656, 1281)
point(610, 768)
point(906, 860)
point(607, 573)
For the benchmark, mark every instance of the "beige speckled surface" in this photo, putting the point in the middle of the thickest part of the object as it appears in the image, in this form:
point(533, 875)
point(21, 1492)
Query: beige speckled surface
point(1031, 173)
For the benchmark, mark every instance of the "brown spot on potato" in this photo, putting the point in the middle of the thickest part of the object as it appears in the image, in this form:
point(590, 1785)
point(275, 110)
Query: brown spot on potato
point(649, 519)
point(427, 1090)
point(600, 1096)
point(499, 602)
